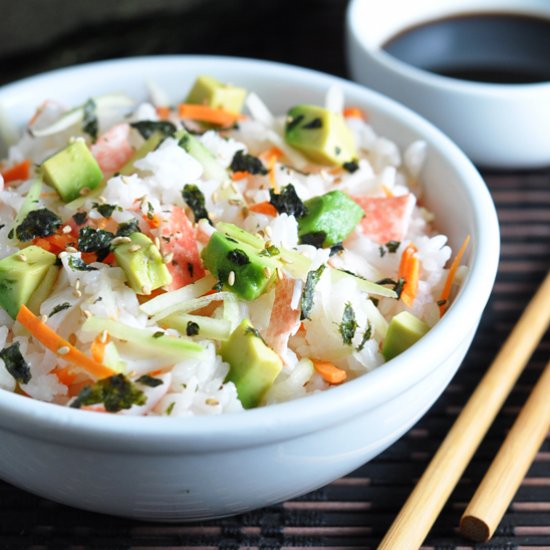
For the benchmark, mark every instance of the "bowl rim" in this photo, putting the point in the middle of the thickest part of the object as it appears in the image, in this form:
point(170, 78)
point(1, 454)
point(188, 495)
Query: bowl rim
point(357, 26)
point(63, 425)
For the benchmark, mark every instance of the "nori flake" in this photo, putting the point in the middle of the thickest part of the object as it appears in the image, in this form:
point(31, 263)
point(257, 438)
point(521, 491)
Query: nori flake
point(348, 326)
point(38, 223)
point(125, 229)
point(367, 334)
point(147, 128)
point(89, 122)
point(78, 264)
point(351, 166)
point(194, 198)
point(309, 290)
point(95, 240)
point(238, 257)
point(287, 201)
point(315, 238)
point(243, 162)
point(150, 381)
point(106, 210)
point(192, 328)
point(58, 308)
point(80, 218)
point(115, 393)
point(313, 124)
point(15, 363)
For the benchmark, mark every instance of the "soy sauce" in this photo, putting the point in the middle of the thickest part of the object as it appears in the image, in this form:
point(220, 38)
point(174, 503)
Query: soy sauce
point(502, 48)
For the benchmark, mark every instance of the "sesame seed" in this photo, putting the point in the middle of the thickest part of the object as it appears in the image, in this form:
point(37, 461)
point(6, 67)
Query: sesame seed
point(212, 401)
point(84, 191)
point(22, 257)
point(102, 199)
point(121, 240)
point(134, 248)
point(77, 284)
point(146, 289)
point(67, 229)
point(168, 258)
point(43, 318)
point(267, 272)
point(231, 278)
point(287, 260)
point(215, 196)
point(268, 244)
point(235, 202)
point(157, 242)
point(104, 336)
point(234, 187)
point(279, 273)
point(269, 232)
point(77, 293)
point(87, 313)
point(63, 350)
point(71, 249)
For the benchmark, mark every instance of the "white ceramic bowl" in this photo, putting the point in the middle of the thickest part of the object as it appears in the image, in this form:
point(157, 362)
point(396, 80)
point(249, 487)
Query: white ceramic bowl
point(181, 469)
point(496, 125)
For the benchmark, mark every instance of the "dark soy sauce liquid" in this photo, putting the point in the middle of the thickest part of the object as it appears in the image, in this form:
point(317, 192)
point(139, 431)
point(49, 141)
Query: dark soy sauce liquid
point(500, 48)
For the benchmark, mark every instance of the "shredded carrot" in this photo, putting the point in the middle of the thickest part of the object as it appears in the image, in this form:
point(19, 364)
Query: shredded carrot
point(18, 172)
point(263, 208)
point(409, 270)
point(163, 112)
point(52, 341)
point(354, 112)
point(270, 157)
point(445, 293)
point(152, 221)
point(97, 348)
point(55, 243)
point(240, 175)
point(387, 191)
point(205, 113)
point(65, 375)
point(269, 153)
point(329, 372)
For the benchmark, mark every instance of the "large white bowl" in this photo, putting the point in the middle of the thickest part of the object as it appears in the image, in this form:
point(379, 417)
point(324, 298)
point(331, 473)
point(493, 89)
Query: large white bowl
point(184, 469)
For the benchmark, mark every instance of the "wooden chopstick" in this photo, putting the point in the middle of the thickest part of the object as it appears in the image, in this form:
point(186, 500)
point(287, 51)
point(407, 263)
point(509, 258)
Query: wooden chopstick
point(510, 465)
point(424, 504)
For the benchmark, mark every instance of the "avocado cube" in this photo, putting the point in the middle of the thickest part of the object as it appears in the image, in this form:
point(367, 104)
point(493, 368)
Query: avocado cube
point(142, 263)
point(253, 366)
point(72, 171)
point(320, 134)
point(238, 266)
point(21, 274)
point(403, 331)
point(209, 91)
point(333, 216)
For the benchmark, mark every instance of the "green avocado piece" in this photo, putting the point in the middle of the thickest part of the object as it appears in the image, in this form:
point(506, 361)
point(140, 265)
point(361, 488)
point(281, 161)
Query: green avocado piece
point(72, 170)
point(209, 91)
point(320, 134)
point(252, 273)
point(403, 331)
point(21, 274)
point(253, 366)
point(333, 215)
point(142, 263)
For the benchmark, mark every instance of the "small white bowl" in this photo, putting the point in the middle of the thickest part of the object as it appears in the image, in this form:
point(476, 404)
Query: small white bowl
point(169, 469)
point(496, 125)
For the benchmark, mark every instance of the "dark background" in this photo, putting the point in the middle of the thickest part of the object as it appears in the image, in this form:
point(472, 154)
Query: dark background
point(354, 512)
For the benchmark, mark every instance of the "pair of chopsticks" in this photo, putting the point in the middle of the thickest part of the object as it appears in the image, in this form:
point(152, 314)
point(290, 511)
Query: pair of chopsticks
point(501, 482)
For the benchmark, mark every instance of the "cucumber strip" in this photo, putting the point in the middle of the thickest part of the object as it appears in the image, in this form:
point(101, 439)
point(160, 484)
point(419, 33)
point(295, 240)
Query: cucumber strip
point(111, 358)
point(216, 329)
point(30, 202)
point(75, 204)
point(294, 263)
point(148, 146)
point(212, 168)
point(191, 305)
point(184, 294)
point(231, 311)
point(104, 102)
point(364, 285)
point(144, 339)
point(241, 235)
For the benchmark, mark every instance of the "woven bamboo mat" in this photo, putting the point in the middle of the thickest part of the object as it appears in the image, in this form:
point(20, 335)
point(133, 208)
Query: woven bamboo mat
point(355, 511)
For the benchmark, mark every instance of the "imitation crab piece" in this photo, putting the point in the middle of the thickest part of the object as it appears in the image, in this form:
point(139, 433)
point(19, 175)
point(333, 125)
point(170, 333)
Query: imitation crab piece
point(386, 218)
point(112, 149)
point(178, 245)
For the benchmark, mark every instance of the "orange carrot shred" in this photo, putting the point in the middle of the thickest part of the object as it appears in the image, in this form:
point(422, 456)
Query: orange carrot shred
point(354, 112)
point(205, 113)
point(18, 172)
point(329, 372)
point(52, 341)
point(445, 293)
point(240, 175)
point(152, 221)
point(97, 349)
point(409, 271)
point(263, 208)
point(163, 112)
point(65, 375)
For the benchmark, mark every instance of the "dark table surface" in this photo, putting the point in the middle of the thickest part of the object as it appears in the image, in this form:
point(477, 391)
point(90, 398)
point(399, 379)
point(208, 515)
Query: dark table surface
point(355, 511)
